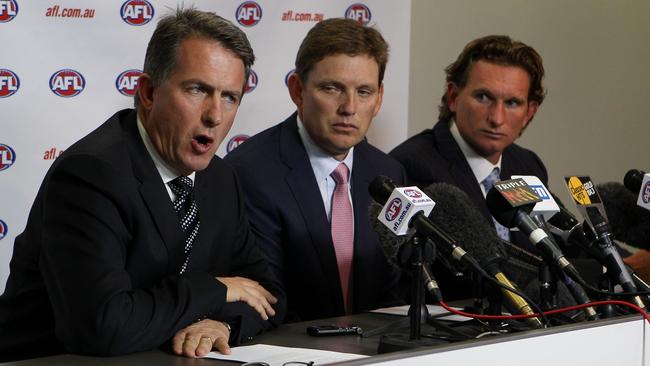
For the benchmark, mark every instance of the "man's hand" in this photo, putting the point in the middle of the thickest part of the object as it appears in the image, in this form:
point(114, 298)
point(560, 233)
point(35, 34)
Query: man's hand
point(640, 263)
point(250, 292)
point(198, 339)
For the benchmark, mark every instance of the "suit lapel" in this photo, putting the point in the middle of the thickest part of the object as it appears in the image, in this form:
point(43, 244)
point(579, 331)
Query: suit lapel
point(302, 183)
point(507, 170)
point(361, 177)
point(204, 191)
point(364, 248)
point(154, 195)
point(458, 168)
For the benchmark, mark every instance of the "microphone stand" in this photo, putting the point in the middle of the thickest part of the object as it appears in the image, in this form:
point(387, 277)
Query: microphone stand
point(417, 311)
point(417, 304)
point(547, 288)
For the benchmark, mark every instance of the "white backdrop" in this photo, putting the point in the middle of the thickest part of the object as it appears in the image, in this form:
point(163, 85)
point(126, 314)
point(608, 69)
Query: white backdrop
point(68, 65)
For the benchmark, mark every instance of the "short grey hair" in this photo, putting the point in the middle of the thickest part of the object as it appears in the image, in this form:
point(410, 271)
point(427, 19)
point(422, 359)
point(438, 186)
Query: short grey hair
point(161, 57)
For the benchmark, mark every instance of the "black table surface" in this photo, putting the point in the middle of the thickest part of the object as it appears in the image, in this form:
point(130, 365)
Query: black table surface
point(295, 335)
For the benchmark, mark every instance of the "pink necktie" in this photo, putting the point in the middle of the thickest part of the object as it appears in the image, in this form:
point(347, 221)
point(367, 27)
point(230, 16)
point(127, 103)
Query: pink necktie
point(342, 230)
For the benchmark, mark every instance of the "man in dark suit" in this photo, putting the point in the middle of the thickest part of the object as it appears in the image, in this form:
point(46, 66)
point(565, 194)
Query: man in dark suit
point(493, 91)
point(306, 179)
point(138, 235)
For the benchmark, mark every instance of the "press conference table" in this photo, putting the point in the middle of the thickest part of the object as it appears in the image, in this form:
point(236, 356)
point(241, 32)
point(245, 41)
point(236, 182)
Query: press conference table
point(615, 341)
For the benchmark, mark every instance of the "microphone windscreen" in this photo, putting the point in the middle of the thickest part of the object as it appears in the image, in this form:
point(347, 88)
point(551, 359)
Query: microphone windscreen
point(629, 222)
point(633, 179)
point(389, 242)
point(381, 188)
point(456, 214)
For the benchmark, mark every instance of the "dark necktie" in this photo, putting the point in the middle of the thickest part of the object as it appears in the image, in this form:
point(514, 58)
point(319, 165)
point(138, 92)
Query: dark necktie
point(488, 183)
point(187, 211)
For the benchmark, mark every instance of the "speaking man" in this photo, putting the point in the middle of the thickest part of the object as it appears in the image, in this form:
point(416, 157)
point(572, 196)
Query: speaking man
point(138, 235)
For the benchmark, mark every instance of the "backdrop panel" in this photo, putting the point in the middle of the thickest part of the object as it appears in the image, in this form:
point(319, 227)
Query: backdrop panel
point(67, 65)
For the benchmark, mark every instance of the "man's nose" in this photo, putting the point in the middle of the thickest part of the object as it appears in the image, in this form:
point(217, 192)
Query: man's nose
point(497, 113)
point(212, 112)
point(348, 105)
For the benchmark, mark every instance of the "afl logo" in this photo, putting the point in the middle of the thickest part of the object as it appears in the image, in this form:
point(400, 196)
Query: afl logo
point(3, 229)
point(249, 13)
point(252, 82)
point(393, 209)
point(412, 193)
point(127, 82)
point(136, 12)
point(8, 10)
point(9, 83)
point(358, 12)
point(287, 76)
point(645, 197)
point(7, 157)
point(67, 83)
point(236, 141)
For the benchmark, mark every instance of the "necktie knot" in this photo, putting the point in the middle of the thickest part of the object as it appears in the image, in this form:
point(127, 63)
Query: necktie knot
point(181, 186)
point(489, 181)
point(341, 174)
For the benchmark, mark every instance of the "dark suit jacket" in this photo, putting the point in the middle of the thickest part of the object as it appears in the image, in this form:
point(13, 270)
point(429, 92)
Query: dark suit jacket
point(288, 216)
point(433, 156)
point(97, 267)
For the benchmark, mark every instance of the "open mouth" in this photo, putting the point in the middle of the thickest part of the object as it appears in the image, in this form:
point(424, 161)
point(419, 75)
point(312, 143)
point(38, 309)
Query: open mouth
point(202, 143)
point(203, 140)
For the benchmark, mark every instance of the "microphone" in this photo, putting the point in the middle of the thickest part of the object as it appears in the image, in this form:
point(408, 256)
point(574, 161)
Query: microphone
point(391, 244)
point(590, 204)
point(400, 218)
point(629, 222)
point(566, 227)
point(510, 203)
point(634, 180)
point(401, 205)
point(380, 190)
point(456, 212)
point(431, 284)
point(547, 207)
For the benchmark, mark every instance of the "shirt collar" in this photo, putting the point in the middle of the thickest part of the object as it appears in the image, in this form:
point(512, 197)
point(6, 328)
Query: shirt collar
point(481, 167)
point(322, 163)
point(166, 172)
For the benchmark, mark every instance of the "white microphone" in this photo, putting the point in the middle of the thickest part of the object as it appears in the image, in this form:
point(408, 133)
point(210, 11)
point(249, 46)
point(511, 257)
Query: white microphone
point(401, 206)
point(547, 208)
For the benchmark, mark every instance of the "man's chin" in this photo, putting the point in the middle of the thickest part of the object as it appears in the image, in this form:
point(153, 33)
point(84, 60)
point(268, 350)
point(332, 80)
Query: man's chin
point(195, 165)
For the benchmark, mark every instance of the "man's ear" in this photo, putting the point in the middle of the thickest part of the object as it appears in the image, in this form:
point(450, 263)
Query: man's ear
point(452, 95)
point(145, 92)
point(295, 90)
point(532, 109)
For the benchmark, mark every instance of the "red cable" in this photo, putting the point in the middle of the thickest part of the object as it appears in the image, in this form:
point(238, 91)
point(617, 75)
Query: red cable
point(551, 312)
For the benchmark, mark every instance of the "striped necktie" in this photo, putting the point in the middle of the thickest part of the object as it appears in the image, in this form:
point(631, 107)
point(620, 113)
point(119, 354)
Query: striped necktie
point(188, 213)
